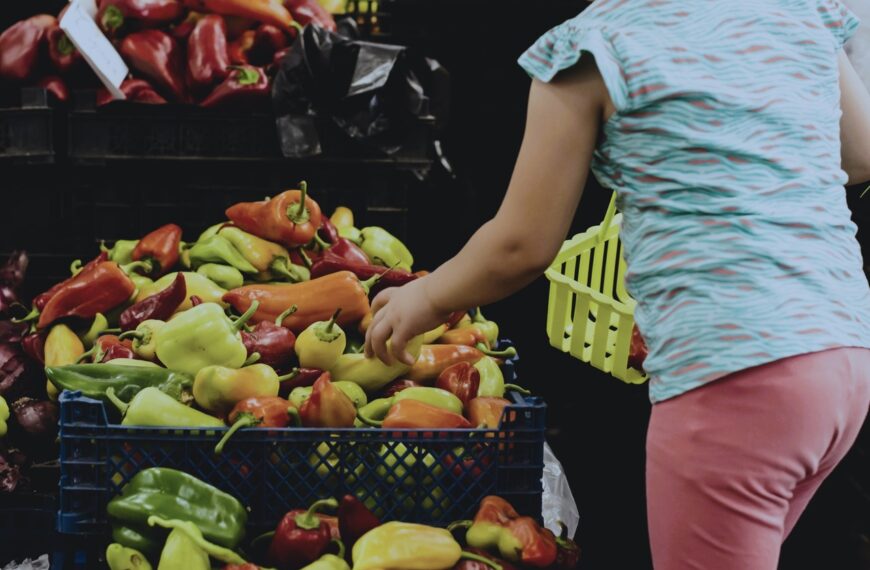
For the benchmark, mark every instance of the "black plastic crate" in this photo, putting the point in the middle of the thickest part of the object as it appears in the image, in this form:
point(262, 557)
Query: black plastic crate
point(28, 129)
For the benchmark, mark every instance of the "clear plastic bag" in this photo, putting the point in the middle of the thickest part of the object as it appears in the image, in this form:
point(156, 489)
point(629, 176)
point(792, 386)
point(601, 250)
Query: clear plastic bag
point(40, 563)
point(558, 503)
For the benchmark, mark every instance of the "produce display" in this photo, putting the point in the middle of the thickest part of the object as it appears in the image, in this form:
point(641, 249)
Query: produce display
point(214, 53)
point(170, 518)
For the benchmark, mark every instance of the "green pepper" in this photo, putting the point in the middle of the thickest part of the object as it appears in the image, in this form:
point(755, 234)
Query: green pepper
point(487, 327)
point(218, 249)
point(203, 336)
point(173, 494)
point(136, 539)
point(351, 233)
point(194, 540)
point(145, 338)
point(491, 378)
point(4, 416)
point(92, 380)
point(385, 249)
point(197, 284)
point(210, 231)
point(377, 410)
point(181, 553)
point(135, 362)
point(151, 407)
point(120, 557)
point(99, 324)
point(330, 561)
point(122, 251)
point(353, 391)
point(226, 276)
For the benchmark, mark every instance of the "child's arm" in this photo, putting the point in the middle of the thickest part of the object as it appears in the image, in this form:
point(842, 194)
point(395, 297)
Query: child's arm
point(515, 247)
point(855, 123)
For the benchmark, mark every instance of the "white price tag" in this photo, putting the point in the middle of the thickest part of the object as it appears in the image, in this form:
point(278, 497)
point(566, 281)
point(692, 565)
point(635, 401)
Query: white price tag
point(81, 28)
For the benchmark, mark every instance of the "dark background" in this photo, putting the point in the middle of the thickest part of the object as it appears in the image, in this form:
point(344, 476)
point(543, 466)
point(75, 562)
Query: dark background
point(598, 424)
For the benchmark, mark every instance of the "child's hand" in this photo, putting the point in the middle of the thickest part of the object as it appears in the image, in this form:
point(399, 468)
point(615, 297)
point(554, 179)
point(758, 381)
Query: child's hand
point(400, 314)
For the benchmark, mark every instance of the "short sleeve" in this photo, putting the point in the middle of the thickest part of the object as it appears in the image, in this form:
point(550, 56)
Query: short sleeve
point(839, 19)
point(562, 47)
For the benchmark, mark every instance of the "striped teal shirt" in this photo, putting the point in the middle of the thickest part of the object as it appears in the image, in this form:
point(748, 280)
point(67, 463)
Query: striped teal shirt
point(725, 154)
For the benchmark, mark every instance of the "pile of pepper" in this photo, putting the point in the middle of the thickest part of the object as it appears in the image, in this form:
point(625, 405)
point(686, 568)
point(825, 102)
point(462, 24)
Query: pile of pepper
point(216, 53)
point(170, 518)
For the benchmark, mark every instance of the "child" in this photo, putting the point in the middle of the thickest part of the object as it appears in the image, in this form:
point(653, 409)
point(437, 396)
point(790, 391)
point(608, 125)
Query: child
point(718, 122)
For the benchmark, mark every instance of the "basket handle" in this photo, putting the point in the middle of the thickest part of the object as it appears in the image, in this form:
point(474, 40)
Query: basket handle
point(608, 217)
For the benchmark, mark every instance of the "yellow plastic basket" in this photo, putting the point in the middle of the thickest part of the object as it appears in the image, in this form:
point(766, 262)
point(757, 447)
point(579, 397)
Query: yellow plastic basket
point(590, 314)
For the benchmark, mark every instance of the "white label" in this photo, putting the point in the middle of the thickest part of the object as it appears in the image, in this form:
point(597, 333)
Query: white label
point(81, 28)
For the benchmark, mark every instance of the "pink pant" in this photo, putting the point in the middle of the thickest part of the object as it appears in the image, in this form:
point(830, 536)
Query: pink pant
point(732, 465)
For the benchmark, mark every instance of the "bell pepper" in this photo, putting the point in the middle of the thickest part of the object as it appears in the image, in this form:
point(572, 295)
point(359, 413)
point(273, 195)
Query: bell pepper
point(62, 347)
point(638, 351)
point(101, 346)
point(196, 284)
point(160, 246)
point(120, 557)
point(239, 50)
point(414, 414)
point(311, 12)
point(354, 520)
point(327, 406)
point(121, 251)
point(4, 417)
point(217, 389)
point(330, 263)
point(461, 379)
point(271, 341)
point(383, 248)
point(327, 234)
point(114, 15)
point(168, 493)
point(486, 412)
point(268, 412)
point(203, 336)
point(316, 299)
point(92, 380)
point(153, 408)
point(321, 343)
point(569, 552)
point(183, 29)
point(497, 526)
point(268, 39)
point(21, 47)
point(181, 552)
point(245, 87)
point(90, 292)
point(64, 56)
point(435, 358)
point(267, 11)
point(342, 217)
point(491, 378)
point(158, 57)
point(408, 546)
point(356, 394)
point(33, 346)
point(291, 218)
point(330, 561)
point(145, 339)
point(224, 276)
point(208, 62)
point(135, 91)
point(218, 249)
point(193, 537)
point(117, 352)
point(370, 373)
point(159, 306)
point(397, 386)
point(302, 538)
point(338, 246)
point(303, 377)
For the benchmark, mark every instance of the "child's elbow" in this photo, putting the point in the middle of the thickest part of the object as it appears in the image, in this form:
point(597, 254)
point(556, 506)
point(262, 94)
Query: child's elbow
point(528, 256)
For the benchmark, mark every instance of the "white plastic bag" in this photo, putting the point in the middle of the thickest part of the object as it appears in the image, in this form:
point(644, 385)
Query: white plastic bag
point(40, 563)
point(558, 503)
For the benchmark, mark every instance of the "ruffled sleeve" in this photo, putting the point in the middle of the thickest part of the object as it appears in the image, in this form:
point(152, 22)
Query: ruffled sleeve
point(839, 19)
point(562, 47)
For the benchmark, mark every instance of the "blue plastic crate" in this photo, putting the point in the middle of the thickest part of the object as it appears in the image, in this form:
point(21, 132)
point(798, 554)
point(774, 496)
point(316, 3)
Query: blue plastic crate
point(427, 476)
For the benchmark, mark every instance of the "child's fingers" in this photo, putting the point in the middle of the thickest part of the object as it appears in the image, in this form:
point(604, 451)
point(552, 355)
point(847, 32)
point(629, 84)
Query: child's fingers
point(399, 348)
point(380, 335)
point(381, 300)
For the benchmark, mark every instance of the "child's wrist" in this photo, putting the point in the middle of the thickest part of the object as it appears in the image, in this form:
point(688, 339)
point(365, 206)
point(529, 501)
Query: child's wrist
point(431, 295)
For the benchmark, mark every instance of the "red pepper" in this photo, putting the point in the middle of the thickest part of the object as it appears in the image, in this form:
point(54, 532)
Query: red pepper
point(414, 414)
point(348, 251)
point(237, 25)
point(569, 552)
point(42, 299)
point(161, 246)
point(207, 60)
point(34, 346)
point(279, 57)
point(90, 292)
point(311, 12)
point(354, 520)
point(268, 39)
point(461, 379)
point(304, 377)
point(486, 411)
point(246, 566)
point(21, 47)
point(328, 232)
point(134, 90)
point(267, 412)
point(158, 57)
point(118, 351)
point(291, 218)
point(246, 87)
point(330, 520)
point(466, 564)
point(397, 386)
point(115, 14)
point(305, 257)
point(108, 345)
point(239, 49)
point(637, 353)
point(159, 306)
point(300, 539)
point(332, 263)
point(266, 11)
point(55, 85)
point(183, 29)
point(327, 406)
point(63, 54)
point(273, 342)
point(195, 300)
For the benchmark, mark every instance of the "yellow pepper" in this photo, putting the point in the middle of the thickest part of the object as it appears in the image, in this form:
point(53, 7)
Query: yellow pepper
point(4, 417)
point(342, 217)
point(218, 388)
point(370, 373)
point(197, 284)
point(406, 546)
point(321, 343)
point(62, 347)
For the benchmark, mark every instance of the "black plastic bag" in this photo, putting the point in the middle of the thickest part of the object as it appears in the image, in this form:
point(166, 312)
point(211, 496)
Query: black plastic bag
point(366, 92)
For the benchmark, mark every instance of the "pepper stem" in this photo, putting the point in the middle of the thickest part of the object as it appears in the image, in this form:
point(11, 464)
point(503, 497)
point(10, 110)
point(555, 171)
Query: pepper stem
point(112, 19)
point(103, 247)
point(296, 25)
point(244, 420)
point(96, 349)
point(280, 319)
point(240, 322)
point(341, 549)
point(255, 544)
point(506, 353)
point(75, 267)
point(131, 334)
point(477, 558)
point(368, 421)
point(478, 316)
point(146, 264)
point(517, 388)
point(253, 358)
point(31, 316)
point(455, 525)
point(308, 520)
point(297, 212)
point(289, 376)
point(305, 259)
point(372, 281)
point(331, 322)
point(116, 401)
point(294, 417)
point(64, 45)
point(322, 242)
